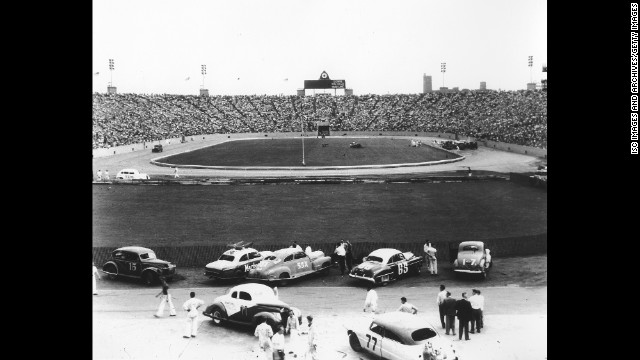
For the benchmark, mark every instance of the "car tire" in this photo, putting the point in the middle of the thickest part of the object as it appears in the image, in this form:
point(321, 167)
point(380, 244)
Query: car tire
point(354, 342)
point(284, 279)
point(217, 312)
point(148, 278)
point(111, 269)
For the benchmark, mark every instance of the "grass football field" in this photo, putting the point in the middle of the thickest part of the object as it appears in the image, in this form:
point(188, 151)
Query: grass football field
point(288, 152)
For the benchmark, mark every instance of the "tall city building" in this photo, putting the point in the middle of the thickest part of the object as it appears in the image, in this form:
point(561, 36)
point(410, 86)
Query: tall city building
point(426, 84)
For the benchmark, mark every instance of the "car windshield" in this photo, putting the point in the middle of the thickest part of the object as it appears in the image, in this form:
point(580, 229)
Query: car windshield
point(149, 255)
point(226, 257)
point(470, 248)
point(373, 258)
point(423, 334)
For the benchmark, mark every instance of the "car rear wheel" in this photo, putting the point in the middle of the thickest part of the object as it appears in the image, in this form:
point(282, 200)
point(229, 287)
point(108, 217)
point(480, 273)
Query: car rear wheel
point(284, 279)
point(149, 278)
point(354, 342)
point(112, 270)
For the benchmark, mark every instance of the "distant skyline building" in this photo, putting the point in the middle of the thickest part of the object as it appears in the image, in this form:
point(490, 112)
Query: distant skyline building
point(426, 84)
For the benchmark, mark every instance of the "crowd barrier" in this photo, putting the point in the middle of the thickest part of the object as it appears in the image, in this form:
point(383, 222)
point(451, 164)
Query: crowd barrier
point(526, 150)
point(200, 255)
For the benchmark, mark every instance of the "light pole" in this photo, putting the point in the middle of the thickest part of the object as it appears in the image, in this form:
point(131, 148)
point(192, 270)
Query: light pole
point(203, 70)
point(302, 125)
point(111, 68)
point(530, 69)
point(443, 69)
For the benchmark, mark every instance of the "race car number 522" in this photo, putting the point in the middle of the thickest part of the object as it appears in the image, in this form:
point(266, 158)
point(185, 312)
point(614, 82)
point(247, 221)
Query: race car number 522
point(403, 268)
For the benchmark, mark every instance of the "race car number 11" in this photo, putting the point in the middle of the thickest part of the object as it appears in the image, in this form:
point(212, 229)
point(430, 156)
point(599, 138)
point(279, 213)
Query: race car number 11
point(403, 268)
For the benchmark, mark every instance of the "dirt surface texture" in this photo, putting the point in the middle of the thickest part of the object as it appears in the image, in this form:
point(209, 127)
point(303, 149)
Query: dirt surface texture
point(515, 315)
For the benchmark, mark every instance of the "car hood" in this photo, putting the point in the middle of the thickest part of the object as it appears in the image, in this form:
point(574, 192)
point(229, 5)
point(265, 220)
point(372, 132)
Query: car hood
point(220, 265)
point(156, 262)
point(263, 302)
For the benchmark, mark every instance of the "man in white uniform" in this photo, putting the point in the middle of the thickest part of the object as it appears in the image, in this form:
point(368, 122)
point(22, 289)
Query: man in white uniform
point(264, 334)
point(99, 175)
point(430, 253)
point(278, 344)
point(95, 272)
point(311, 341)
point(477, 306)
point(407, 307)
point(371, 302)
point(192, 305)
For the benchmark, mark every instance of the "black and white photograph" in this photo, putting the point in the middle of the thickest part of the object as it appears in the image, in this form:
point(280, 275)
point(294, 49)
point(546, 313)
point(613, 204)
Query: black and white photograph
point(305, 179)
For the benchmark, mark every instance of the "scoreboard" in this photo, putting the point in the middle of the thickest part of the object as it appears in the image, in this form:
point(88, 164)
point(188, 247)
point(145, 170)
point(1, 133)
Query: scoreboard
point(324, 83)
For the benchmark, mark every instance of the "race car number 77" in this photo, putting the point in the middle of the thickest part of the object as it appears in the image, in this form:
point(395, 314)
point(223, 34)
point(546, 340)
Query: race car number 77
point(375, 341)
point(403, 268)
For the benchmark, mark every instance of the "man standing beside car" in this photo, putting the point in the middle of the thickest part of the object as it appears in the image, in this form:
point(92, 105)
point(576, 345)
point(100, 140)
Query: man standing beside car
point(477, 305)
point(463, 311)
point(192, 306)
point(430, 253)
point(449, 305)
point(440, 299)
point(311, 341)
point(340, 256)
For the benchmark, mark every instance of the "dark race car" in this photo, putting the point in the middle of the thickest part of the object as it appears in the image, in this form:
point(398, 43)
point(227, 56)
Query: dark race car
point(138, 262)
point(250, 304)
point(157, 148)
point(385, 265)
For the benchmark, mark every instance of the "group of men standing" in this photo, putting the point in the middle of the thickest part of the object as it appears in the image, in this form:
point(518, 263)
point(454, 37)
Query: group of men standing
point(468, 311)
point(272, 345)
point(102, 177)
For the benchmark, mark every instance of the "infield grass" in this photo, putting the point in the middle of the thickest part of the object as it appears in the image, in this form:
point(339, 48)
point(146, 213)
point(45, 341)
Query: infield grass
point(288, 152)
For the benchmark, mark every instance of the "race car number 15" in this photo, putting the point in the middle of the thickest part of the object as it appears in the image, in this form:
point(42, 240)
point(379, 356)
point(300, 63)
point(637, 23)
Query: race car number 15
point(403, 268)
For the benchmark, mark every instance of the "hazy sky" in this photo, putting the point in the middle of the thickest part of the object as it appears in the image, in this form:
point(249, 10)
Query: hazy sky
point(376, 46)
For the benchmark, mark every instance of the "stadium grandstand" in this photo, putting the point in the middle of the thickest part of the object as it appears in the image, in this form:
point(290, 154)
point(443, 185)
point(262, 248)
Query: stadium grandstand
point(515, 117)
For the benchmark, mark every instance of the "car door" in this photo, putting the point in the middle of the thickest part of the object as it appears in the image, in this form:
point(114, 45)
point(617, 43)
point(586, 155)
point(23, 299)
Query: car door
point(391, 346)
point(402, 265)
point(301, 263)
point(131, 263)
point(253, 260)
point(236, 307)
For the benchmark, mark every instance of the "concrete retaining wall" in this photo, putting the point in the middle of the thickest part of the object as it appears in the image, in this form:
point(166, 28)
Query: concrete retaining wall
point(200, 255)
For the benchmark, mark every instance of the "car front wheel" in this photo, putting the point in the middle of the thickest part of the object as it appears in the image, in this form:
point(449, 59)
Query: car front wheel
point(217, 315)
point(354, 342)
point(112, 270)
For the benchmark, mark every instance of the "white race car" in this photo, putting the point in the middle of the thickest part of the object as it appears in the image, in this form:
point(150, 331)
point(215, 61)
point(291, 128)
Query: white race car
point(401, 336)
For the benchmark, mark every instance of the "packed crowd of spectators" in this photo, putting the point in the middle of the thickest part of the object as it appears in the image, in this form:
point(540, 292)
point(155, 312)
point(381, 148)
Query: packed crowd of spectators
point(515, 117)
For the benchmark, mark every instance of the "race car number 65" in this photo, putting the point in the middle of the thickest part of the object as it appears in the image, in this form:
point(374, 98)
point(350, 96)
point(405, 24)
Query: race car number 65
point(403, 268)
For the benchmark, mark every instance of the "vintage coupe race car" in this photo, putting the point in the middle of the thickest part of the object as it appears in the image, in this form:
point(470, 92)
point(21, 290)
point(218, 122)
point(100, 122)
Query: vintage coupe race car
point(289, 263)
point(250, 304)
point(401, 336)
point(157, 148)
point(472, 258)
point(138, 262)
point(385, 265)
point(235, 263)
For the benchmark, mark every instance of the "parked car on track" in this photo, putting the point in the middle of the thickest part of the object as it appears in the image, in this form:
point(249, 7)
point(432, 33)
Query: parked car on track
point(401, 336)
point(157, 148)
point(385, 265)
point(287, 264)
point(138, 262)
point(250, 304)
point(235, 263)
point(131, 174)
point(472, 258)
